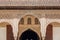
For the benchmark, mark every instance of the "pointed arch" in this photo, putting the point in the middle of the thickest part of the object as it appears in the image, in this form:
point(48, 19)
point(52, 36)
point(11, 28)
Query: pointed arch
point(29, 34)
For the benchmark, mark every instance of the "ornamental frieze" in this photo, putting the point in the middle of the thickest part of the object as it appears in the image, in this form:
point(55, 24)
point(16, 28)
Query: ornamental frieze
point(53, 15)
point(19, 13)
point(29, 2)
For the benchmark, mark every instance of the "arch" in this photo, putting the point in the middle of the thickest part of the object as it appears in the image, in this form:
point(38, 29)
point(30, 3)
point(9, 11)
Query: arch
point(49, 30)
point(9, 30)
point(29, 34)
point(31, 20)
point(53, 22)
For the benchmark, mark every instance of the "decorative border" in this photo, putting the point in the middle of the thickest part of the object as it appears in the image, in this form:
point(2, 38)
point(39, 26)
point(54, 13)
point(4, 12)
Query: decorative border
point(29, 7)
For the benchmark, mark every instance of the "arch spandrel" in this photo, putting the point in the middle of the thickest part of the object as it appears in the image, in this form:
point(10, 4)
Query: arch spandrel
point(33, 29)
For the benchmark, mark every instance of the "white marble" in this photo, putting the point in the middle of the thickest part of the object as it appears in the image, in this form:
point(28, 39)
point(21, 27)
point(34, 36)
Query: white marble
point(2, 33)
point(56, 33)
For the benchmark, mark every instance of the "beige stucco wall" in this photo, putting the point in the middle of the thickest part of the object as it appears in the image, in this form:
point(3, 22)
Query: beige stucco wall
point(14, 17)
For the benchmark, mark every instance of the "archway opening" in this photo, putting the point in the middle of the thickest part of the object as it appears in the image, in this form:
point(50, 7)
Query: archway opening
point(49, 33)
point(52, 31)
point(9, 32)
point(29, 35)
point(6, 31)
